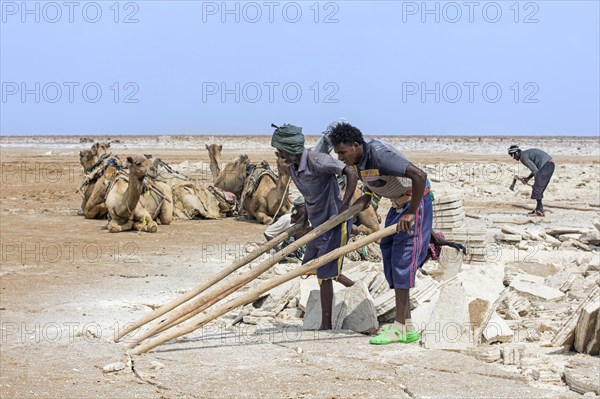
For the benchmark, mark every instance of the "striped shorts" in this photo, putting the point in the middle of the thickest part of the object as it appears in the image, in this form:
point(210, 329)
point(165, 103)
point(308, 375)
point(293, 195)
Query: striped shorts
point(404, 252)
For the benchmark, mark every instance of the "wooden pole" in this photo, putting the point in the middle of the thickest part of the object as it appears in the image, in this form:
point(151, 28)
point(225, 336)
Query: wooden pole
point(201, 305)
point(244, 279)
point(265, 287)
point(207, 284)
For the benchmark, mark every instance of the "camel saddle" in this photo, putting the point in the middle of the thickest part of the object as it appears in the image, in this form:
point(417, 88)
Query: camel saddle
point(94, 172)
point(255, 172)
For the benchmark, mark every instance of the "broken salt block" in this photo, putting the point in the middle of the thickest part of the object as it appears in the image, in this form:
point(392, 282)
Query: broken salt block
point(580, 245)
point(593, 347)
point(488, 354)
point(451, 312)
point(566, 335)
point(293, 303)
point(353, 309)
point(570, 282)
point(583, 258)
point(534, 286)
point(591, 237)
point(594, 263)
point(586, 326)
point(522, 245)
point(547, 375)
point(582, 377)
point(509, 238)
point(360, 314)
point(555, 231)
point(497, 330)
point(510, 271)
point(114, 367)
point(292, 313)
point(450, 261)
point(567, 237)
point(552, 240)
point(510, 230)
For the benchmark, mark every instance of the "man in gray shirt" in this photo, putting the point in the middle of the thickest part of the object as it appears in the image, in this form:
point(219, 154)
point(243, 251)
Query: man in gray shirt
point(315, 175)
point(542, 167)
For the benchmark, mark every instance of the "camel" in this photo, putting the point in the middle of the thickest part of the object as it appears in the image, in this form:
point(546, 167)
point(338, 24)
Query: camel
point(367, 221)
point(129, 208)
point(87, 158)
point(263, 201)
point(94, 194)
point(190, 199)
point(193, 201)
point(214, 153)
point(95, 208)
point(227, 200)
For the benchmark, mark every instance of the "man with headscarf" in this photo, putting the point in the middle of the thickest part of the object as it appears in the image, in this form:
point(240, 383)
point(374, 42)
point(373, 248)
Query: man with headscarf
point(388, 173)
point(542, 168)
point(315, 175)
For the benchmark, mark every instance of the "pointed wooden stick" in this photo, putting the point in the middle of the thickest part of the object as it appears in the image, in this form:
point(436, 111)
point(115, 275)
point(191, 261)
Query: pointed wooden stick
point(257, 292)
point(207, 284)
point(243, 279)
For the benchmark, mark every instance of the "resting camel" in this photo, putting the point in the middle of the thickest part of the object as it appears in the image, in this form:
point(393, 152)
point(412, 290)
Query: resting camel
point(87, 158)
point(227, 200)
point(263, 202)
point(190, 199)
point(94, 194)
point(129, 208)
point(214, 153)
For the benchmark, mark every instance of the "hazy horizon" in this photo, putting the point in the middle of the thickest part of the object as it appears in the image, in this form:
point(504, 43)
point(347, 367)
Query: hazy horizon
point(306, 134)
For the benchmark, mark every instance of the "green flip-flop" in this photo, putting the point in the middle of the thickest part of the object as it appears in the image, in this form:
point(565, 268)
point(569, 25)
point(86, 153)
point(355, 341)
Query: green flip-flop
point(391, 335)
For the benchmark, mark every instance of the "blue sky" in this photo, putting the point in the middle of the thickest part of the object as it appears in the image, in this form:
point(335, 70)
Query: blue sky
point(390, 67)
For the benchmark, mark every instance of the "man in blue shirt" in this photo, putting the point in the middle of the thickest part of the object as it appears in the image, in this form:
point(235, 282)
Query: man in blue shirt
point(388, 173)
point(315, 175)
point(541, 165)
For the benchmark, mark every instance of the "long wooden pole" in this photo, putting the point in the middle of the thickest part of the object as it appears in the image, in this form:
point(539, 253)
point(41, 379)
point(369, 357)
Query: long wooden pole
point(244, 279)
point(202, 304)
point(257, 292)
point(209, 283)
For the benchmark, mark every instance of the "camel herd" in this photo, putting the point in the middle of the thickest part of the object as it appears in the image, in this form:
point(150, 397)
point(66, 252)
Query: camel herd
point(139, 193)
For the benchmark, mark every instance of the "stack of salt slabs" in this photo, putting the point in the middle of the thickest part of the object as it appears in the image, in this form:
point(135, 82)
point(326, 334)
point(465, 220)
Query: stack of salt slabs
point(449, 218)
point(448, 212)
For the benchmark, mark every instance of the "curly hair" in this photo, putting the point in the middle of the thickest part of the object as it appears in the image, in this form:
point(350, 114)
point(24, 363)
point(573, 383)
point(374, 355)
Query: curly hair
point(345, 133)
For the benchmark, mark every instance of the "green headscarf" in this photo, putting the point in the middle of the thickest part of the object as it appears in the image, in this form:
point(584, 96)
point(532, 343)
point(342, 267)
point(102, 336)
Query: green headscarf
point(288, 138)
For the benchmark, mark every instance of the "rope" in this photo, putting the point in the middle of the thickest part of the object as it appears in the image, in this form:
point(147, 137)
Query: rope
point(283, 198)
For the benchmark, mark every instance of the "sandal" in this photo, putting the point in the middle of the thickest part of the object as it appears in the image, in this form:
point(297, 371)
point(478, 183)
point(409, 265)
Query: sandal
point(391, 335)
point(540, 213)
